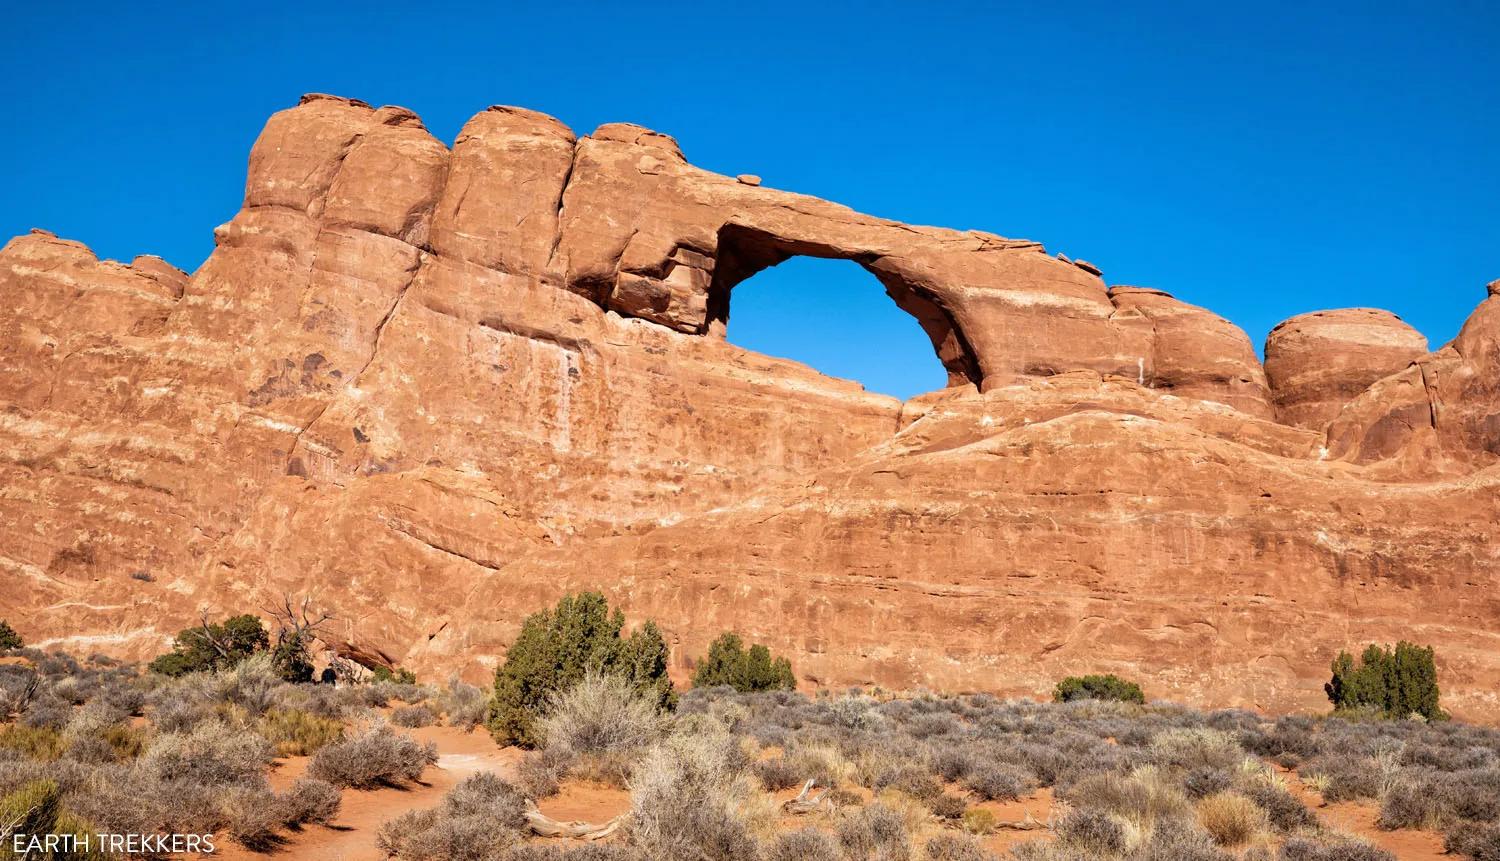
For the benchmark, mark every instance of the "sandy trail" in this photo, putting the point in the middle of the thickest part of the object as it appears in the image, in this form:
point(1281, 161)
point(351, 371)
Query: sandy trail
point(351, 835)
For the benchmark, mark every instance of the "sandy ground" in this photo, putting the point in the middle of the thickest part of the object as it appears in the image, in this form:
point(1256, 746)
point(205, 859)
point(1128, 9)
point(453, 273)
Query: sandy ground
point(1037, 807)
point(1359, 818)
point(351, 835)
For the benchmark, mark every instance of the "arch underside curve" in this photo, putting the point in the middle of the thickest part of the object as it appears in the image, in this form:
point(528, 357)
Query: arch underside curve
point(744, 251)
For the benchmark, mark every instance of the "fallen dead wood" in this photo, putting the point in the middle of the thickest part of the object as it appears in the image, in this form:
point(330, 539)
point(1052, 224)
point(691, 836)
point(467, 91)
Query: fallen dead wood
point(1030, 823)
point(1019, 825)
point(802, 803)
point(543, 825)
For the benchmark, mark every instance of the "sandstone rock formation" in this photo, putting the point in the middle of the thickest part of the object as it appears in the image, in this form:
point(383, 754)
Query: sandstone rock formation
point(436, 388)
point(1317, 363)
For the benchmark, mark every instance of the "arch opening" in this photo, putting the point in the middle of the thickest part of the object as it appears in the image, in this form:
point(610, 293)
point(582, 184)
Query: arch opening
point(814, 307)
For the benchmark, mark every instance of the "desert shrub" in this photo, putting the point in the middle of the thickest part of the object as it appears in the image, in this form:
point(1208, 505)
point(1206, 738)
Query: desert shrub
point(1286, 812)
point(686, 793)
point(1395, 682)
point(932, 725)
point(320, 700)
point(255, 816)
point(1044, 762)
point(841, 797)
point(213, 646)
point(977, 820)
point(1291, 736)
point(946, 805)
point(1231, 819)
point(380, 694)
point(587, 852)
point(412, 717)
point(93, 719)
point(1203, 782)
point(1428, 801)
point(9, 639)
point(539, 774)
point(953, 763)
point(610, 769)
point(297, 733)
point(434, 835)
point(1410, 803)
point(913, 812)
point(556, 648)
point(489, 795)
point(18, 690)
point(853, 713)
point(399, 675)
point(1443, 758)
point(1474, 841)
point(1143, 797)
point(249, 686)
point(212, 754)
point(36, 811)
point(911, 780)
point(694, 832)
point(804, 844)
point(824, 761)
point(1092, 830)
point(1472, 794)
point(995, 781)
point(954, 847)
point(601, 714)
point(1197, 747)
point(44, 743)
point(70, 776)
point(377, 756)
point(124, 742)
point(462, 705)
point(125, 698)
point(875, 832)
point(89, 749)
point(1182, 840)
point(1345, 780)
point(311, 800)
point(1105, 687)
point(777, 773)
point(729, 663)
point(1299, 849)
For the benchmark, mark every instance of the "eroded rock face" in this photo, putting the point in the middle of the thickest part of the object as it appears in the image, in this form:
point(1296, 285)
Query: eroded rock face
point(1191, 352)
point(1440, 415)
point(1318, 362)
point(437, 388)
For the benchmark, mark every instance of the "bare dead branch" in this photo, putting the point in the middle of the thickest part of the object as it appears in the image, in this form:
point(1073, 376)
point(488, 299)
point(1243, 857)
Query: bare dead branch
point(803, 804)
point(296, 621)
point(543, 825)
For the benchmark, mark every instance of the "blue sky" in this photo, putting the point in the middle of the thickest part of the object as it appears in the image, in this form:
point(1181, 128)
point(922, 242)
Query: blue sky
point(1261, 160)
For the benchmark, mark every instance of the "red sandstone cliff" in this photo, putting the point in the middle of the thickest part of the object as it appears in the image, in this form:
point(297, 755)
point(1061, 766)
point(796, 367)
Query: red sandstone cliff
point(437, 388)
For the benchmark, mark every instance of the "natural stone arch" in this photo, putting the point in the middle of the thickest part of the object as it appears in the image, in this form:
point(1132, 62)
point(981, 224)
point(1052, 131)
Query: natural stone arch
point(742, 251)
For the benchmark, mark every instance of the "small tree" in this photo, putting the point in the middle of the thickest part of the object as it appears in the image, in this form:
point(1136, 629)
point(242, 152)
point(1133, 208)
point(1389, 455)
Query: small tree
point(1397, 683)
point(400, 675)
point(297, 628)
point(1105, 687)
point(213, 645)
point(9, 639)
point(728, 663)
point(557, 648)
